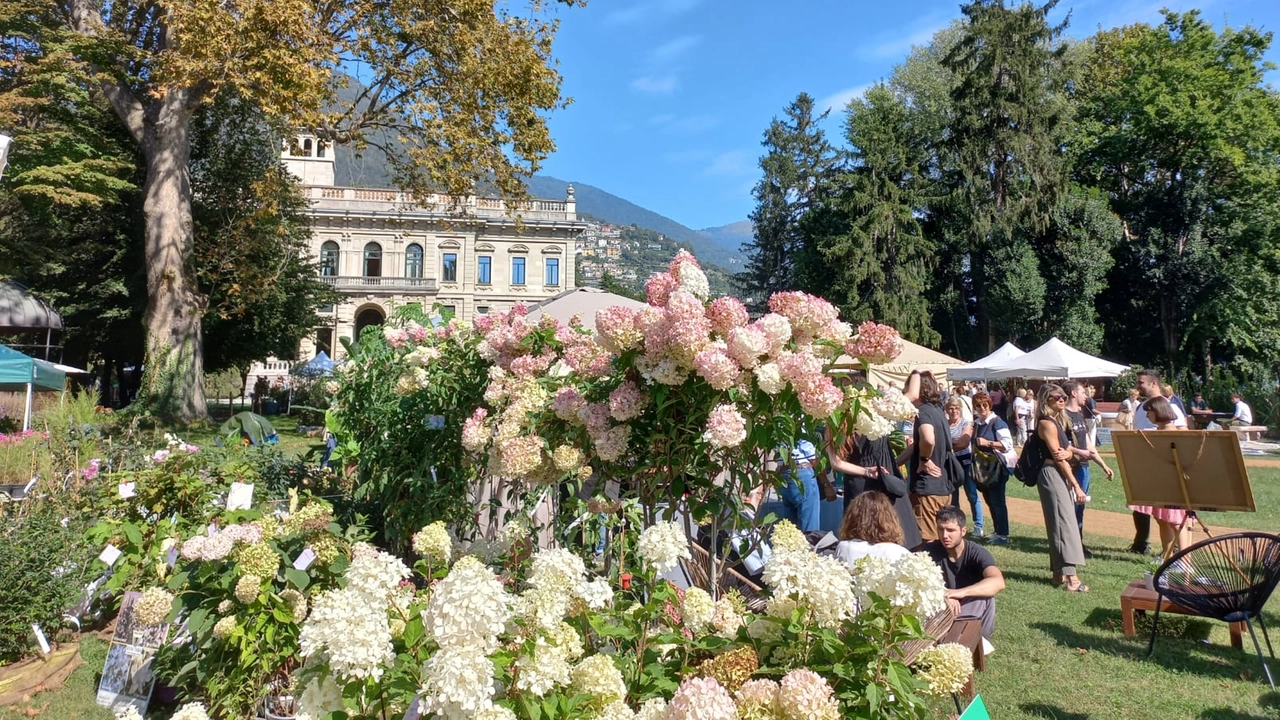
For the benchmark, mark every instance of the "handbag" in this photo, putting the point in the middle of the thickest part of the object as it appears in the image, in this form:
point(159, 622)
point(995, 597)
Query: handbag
point(989, 469)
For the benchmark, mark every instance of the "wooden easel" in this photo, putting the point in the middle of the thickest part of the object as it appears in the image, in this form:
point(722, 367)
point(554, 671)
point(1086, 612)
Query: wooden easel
point(1169, 550)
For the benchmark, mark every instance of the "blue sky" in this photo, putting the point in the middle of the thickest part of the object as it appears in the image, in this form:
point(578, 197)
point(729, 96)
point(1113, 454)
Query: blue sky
point(672, 97)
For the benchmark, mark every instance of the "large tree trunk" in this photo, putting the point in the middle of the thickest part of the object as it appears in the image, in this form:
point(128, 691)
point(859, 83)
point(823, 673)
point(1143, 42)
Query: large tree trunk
point(175, 349)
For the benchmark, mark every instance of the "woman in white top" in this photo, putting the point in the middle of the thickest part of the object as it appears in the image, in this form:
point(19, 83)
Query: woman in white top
point(870, 529)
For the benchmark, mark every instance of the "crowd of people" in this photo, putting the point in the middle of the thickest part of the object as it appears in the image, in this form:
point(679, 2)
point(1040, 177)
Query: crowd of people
point(968, 440)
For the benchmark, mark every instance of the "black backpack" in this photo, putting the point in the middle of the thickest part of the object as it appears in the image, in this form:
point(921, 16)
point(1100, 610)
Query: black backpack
point(1028, 468)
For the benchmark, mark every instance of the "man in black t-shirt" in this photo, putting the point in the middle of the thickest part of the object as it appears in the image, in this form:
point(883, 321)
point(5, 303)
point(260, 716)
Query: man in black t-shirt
point(968, 570)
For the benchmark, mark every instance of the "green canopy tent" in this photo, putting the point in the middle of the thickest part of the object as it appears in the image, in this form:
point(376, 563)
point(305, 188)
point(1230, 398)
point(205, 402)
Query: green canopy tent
point(20, 373)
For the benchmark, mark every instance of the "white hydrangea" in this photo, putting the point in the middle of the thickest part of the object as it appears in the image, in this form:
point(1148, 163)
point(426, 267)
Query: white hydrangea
point(320, 697)
point(769, 378)
point(597, 594)
point(247, 588)
point(893, 405)
point(495, 712)
point(945, 669)
point(468, 608)
point(787, 538)
point(872, 426)
point(550, 664)
point(913, 583)
point(375, 574)
point(191, 711)
point(821, 586)
point(691, 279)
point(662, 546)
point(616, 710)
point(351, 630)
point(600, 678)
point(433, 543)
point(652, 709)
point(556, 568)
point(128, 712)
point(697, 609)
point(153, 607)
point(459, 683)
point(725, 618)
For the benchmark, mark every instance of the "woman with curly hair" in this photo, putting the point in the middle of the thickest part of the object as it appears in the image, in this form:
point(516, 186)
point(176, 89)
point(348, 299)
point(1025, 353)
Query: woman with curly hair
point(870, 528)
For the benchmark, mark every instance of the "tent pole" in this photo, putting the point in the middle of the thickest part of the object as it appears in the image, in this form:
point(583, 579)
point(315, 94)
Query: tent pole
point(26, 410)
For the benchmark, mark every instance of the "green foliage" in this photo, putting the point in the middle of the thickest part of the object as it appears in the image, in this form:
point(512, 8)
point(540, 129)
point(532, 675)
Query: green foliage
point(43, 570)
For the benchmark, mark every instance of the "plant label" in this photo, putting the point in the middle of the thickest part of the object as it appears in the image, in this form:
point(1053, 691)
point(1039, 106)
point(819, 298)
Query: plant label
point(435, 422)
point(213, 529)
point(305, 558)
point(240, 497)
point(127, 490)
point(171, 558)
point(414, 712)
point(41, 640)
point(110, 554)
point(27, 489)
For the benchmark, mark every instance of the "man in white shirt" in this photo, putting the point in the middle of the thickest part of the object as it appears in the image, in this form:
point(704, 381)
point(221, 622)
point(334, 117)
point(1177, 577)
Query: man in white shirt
point(1149, 387)
point(1022, 415)
point(1244, 414)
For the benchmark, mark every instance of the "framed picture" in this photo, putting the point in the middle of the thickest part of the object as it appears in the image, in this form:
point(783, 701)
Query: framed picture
point(1213, 476)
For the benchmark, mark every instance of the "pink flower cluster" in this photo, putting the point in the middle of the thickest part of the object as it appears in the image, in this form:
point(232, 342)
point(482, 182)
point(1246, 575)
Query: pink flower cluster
point(726, 427)
point(875, 343)
point(627, 402)
point(810, 316)
point(617, 330)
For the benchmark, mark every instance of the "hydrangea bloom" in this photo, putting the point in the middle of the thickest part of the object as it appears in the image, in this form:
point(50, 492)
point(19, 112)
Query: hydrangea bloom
point(567, 458)
point(247, 588)
point(658, 288)
point(224, 627)
point(726, 427)
point(626, 402)
point(612, 445)
point(746, 345)
point(716, 367)
point(153, 607)
point(776, 329)
point(597, 676)
point(320, 697)
point(725, 618)
point(256, 558)
point(191, 711)
point(945, 668)
point(727, 313)
point(805, 695)
point(691, 279)
point(872, 426)
point(787, 537)
point(354, 633)
point(697, 609)
point(875, 343)
point(820, 586)
point(475, 433)
point(469, 608)
point(701, 699)
point(662, 546)
point(296, 602)
point(769, 378)
point(616, 329)
point(375, 574)
point(757, 700)
point(652, 709)
point(549, 666)
point(459, 683)
point(893, 405)
point(128, 712)
point(433, 543)
point(913, 583)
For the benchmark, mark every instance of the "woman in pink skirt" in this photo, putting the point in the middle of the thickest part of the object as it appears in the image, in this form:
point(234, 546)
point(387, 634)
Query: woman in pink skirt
point(1172, 521)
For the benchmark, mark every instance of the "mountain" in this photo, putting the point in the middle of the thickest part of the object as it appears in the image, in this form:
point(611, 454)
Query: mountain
point(734, 235)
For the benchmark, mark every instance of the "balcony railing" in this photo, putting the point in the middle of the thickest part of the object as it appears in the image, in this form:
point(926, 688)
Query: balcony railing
point(395, 201)
point(383, 284)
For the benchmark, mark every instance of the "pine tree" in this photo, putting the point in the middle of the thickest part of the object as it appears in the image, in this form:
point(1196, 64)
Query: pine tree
point(797, 163)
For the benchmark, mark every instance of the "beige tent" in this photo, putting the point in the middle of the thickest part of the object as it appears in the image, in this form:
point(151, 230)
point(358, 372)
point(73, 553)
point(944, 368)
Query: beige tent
point(583, 301)
point(913, 356)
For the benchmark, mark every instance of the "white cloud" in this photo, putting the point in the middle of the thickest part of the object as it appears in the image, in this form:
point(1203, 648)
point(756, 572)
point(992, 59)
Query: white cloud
point(836, 101)
point(733, 163)
point(897, 47)
point(673, 49)
point(655, 84)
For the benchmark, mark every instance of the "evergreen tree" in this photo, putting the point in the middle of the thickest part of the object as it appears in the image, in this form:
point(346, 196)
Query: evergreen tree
point(868, 229)
point(797, 163)
point(1006, 165)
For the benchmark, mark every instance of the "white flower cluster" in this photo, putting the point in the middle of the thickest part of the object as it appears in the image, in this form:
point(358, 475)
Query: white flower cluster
point(697, 609)
point(819, 585)
point(128, 712)
point(352, 631)
point(469, 608)
point(945, 669)
point(191, 711)
point(320, 697)
point(247, 588)
point(153, 607)
point(662, 546)
point(871, 425)
point(459, 683)
point(433, 543)
point(375, 574)
point(600, 678)
point(893, 405)
point(787, 537)
point(549, 665)
point(913, 583)
point(557, 578)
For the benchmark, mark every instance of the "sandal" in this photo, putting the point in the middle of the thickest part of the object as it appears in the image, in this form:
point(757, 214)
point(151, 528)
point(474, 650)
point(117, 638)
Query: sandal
point(1079, 588)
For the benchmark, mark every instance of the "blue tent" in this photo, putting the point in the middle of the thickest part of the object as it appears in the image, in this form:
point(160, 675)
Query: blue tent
point(20, 373)
point(318, 366)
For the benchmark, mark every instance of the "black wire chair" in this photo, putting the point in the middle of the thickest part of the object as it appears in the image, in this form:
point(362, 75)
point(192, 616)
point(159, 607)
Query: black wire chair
point(1226, 578)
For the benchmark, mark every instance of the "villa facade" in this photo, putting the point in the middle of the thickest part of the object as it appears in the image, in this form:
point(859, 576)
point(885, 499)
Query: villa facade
point(382, 249)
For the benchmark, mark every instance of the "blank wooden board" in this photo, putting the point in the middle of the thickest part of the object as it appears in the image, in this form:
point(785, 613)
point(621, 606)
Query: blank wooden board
point(1216, 477)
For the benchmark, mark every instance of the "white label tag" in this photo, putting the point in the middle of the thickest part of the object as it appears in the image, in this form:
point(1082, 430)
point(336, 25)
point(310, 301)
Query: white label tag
point(110, 554)
point(127, 490)
point(213, 529)
point(305, 558)
point(27, 489)
point(41, 640)
point(240, 497)
point(171, 558)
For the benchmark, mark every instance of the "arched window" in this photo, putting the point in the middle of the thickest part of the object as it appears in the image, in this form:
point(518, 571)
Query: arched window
point(329, 259)
point(320, 148)
point(413, 261)
point(306, 147)
point(373, 260)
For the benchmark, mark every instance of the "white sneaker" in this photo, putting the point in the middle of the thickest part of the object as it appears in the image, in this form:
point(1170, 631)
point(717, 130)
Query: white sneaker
point(987, 647)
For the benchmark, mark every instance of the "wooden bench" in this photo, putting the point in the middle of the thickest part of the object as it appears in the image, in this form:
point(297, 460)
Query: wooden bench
point(1138, 598)
point(969, 634)
point(1249, 432)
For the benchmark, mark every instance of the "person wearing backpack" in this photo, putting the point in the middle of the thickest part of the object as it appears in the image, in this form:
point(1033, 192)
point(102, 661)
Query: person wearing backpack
point(993, 453)
point(1059, 491)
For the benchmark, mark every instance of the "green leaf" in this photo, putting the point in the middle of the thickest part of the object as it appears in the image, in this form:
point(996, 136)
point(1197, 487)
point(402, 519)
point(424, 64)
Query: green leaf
point(298, 578)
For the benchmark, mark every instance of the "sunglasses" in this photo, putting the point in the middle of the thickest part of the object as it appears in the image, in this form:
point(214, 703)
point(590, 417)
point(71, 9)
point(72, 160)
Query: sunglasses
point(1057, 398)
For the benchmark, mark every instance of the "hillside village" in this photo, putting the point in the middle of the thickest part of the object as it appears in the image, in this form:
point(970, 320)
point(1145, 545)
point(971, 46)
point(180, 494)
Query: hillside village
point(630, 254)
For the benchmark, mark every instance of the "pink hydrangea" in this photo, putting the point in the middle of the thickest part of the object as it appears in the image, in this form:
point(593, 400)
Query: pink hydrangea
point(810, 315)
point(682, 257)
point(483, 323)
point(566, 404)
point(875, 343)
point(475, 432)
point(90, 471)
point(626, 402)
point(417, 333)
point(521, 455)
point(658, 288)
point(682, 305)
point(746, 345)
point(701, 699)
point(611, 445)
point(687, 337)
point(800, 368)
point(716, 367)
point(193, 549)
point(725, 426)
point(528, 366)
point(776, 328)
point(805, 695)
point(595, 416)
point(396, 337)
point(820, 398)
point(616, 327)
point(727, 313)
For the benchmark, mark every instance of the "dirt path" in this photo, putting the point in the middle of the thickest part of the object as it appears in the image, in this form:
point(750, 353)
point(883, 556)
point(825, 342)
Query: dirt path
point(1102, 522)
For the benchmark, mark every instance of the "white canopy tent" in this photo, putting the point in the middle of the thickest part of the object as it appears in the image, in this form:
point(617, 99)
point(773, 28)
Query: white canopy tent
point(981, 369)
point(584, 302)
point(1056, 359)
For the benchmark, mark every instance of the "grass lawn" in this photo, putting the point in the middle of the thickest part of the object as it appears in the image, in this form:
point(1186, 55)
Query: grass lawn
point(1104, 495)
point(76, 699)
point(1065, 656)
point(291, 441)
